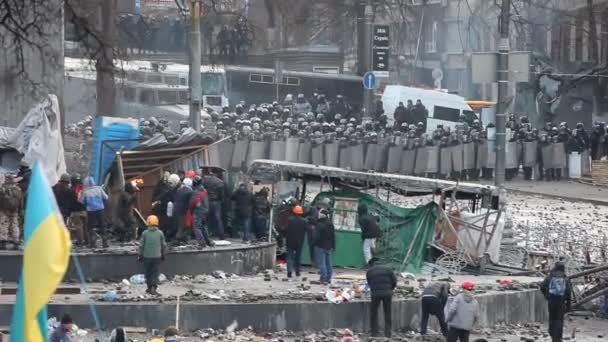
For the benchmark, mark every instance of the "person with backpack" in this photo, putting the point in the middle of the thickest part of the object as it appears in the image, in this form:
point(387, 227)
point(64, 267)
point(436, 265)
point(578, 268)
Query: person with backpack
point(369, 231)
point(463, 313)
point(558, 291)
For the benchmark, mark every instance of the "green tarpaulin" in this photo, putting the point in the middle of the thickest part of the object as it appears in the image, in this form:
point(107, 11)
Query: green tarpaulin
point(399, 226)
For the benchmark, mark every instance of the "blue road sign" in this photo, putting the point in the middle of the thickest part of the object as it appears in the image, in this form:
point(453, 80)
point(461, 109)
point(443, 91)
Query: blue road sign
point(369, 80)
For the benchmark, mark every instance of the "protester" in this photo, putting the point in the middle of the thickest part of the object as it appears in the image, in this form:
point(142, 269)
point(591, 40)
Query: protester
point(381, 281)
point(434, 298)
point(64, 196)
point(94, 198)
point(199, 210)
point(152, 249)
point(463, 313)
point(11, 209)
point(294, 235)
point(78, 218)
point(182, 200)
point(325, 245)
point(261, 213)
point(215, 189)
point(558, 291)
point(166, 206)
point(243, 210)
point(62, 332)
point(127, 229)
point(369, 231)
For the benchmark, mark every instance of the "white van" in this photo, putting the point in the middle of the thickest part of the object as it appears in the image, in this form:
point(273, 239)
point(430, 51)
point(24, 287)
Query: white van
point(443, 108)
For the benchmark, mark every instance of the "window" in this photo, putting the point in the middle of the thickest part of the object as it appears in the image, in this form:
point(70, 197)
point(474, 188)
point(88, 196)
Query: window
point(431, 38)
point(155, 78)
point(257, 78)
point(212, 83)
point(292, 81)
point(447, 114)
point(167, 97)
point(345, 213)
point(129, 94)
point(171, 80)
point(213, 100)
point(184, 97)
point(146, 96)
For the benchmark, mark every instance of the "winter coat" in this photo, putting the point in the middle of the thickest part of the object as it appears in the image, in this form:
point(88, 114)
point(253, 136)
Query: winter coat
point(215, 188)
point(368, 224)
point(243, 200)
point(181, 203)
point(381, 280)
point(152, 243)
point(64, 197)
point(440, 290)
point(325, 235)
point(547, 281)
point(201, 207)
point(126, 204)
point(463, 312)
point(295, 231)
point(93, 196)
point(261, 204)
point(400, 114)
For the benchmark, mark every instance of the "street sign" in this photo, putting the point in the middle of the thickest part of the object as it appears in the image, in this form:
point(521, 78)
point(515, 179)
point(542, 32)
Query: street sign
point(484, 66)
point(369, 81)
point(380, 48)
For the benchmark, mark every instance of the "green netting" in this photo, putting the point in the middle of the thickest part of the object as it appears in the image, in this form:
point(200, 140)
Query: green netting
point(399, 226)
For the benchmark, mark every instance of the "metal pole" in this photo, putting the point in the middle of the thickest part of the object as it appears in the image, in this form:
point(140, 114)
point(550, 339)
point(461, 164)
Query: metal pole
point(196, 90)
point(503, 91)
point(368, 99)
point(413, 74)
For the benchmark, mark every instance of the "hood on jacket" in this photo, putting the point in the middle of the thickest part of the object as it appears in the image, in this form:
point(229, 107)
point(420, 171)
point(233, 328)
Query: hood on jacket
point(89, 182)
point(467, 297)
point(362, 209)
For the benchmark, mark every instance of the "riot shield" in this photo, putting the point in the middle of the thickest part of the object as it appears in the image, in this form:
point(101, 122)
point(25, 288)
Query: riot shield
point(257, 150)
point(373, 152)
point(332, 154)
point(277, 150)
point(408, 162)
point(421, 161)
point(381, 160)
point(357, 157)
point(292, 146)
point(394, 159)
point(481, 158)
point(318, 155)
point(457, 155)
point(345, 154)
point(511, 161)
point(445, 160)
point(585, 163)
point(530, 153)
point(468, 156)
point(491, 160)
point(239, 156)
point(559, 156)
point(432, 159)
point(304, 152)
point(214, 155)
point(225, 154)
point(547, 154)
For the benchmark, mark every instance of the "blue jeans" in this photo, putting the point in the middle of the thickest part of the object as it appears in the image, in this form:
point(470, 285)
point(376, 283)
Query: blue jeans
point(293, 260)
point(244, 224)
point(324, 263)
point(215, 216)
point(200, 229)
point(260, 227)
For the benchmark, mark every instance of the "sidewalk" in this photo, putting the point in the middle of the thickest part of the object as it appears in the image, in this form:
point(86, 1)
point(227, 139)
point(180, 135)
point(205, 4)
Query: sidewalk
point(566, 189)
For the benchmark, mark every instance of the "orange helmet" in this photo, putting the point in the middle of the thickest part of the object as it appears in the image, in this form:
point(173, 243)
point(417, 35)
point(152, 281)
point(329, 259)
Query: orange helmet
point(468, 285)
point(298, 210)
point(152, 220)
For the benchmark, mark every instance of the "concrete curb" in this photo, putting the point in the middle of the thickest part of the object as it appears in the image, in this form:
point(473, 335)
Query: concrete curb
point(99, 266)
point(498, 307)
point(566, 198)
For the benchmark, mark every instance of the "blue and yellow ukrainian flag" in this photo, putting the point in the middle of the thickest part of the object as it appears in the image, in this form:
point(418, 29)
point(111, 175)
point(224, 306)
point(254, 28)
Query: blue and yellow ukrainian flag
point(46, 252)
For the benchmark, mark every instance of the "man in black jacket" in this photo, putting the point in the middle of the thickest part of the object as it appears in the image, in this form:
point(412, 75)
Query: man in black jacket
point(243, 209)
point(325, 244)
point(64, 196)
point(558, 291)
point(369, 231)
point(294, 236)
point(215, 188)
point(381, 281)
point(434, 297)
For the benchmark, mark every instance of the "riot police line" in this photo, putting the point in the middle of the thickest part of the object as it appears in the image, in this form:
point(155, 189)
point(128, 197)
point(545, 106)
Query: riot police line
point(470, 158)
